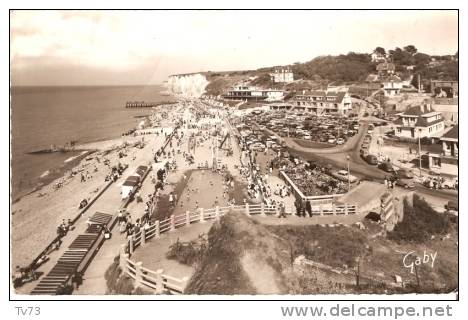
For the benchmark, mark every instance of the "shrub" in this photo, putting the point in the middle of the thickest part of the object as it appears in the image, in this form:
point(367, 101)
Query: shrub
point(188, 253)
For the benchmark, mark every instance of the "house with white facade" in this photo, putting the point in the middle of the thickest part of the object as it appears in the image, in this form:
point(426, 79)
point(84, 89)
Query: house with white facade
point(392, 86)
point(322, 102)
point(378, 57)
point(419, 122)
point(242, 92)
point(443, 157)
point(282, 75)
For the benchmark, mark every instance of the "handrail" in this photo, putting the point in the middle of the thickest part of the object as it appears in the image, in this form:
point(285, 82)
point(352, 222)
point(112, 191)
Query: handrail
point(141, 273)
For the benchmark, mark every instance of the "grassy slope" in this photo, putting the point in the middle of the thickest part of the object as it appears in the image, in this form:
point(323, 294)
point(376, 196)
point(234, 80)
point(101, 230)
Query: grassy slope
point(274, 248)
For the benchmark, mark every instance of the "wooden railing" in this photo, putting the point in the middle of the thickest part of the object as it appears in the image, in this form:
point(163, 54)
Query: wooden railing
point(162, 283)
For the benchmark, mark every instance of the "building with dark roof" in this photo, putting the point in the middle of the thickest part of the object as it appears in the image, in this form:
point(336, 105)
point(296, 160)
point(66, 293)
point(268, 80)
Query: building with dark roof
point(419, 122)
point(322, 102)
point(443, 156)
point(385, 68)
point(444, 88)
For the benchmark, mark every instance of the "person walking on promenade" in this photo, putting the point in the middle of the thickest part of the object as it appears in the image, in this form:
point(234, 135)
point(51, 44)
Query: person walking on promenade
point(171, 200)
point(282, 210)
point(308, 208)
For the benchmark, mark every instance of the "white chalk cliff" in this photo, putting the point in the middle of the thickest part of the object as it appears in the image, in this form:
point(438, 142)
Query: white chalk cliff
point(192, 85)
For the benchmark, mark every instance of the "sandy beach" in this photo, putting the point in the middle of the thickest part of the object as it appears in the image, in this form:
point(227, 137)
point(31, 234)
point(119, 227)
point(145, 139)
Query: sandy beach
point(36, 216)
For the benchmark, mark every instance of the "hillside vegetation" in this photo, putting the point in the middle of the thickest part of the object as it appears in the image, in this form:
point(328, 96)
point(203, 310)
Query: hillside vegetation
point(342, 69)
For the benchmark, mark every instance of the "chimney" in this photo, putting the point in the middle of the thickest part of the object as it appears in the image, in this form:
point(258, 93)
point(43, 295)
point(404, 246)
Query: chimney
point(303, 91)
point(422, 108)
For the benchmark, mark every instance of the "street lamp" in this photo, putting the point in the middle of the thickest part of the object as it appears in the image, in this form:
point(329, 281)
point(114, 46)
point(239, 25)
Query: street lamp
point(349, 181)
point(419, 147)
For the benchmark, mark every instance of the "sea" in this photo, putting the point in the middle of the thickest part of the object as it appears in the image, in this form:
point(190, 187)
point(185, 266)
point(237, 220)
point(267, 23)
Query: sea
point(45, 116)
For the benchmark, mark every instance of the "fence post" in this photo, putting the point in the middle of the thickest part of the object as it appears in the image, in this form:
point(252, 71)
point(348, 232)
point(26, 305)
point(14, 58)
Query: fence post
point(130, 244)
point(321, 210)
point(346, 209)
point(157, 233)
point(277, 211)
point(143, 236)
point(247, 210)
point(334, 209)
point(187, 218)
point(217, 216)
point(159, 282)
point(184, 284)
point(138, 274)
point(172, 228)
point(202, 215)
point(262, 209)
point(122, 261)
point(125, 263)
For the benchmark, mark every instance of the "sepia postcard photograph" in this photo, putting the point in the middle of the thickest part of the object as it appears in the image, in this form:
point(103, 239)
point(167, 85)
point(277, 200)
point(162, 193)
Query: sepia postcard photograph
point(233, 153)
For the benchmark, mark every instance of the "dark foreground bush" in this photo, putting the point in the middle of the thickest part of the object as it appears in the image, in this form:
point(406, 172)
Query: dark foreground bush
point(420, 222)
point(116, 282)
point(188, 253)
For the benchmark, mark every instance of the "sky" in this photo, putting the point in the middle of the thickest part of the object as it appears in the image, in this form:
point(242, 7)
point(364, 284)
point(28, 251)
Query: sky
point(144, 47)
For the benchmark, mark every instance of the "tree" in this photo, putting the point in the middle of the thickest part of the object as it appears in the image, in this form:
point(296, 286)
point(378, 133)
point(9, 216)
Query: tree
point(411, 49)
point(380, 50)
point(421, 60)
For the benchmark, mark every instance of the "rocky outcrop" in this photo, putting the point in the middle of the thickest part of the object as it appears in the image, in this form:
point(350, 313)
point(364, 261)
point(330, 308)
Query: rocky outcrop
point(189, 85)
point(392, 208)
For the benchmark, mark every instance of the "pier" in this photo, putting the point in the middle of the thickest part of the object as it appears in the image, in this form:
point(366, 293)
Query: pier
point(140, 104)
point(143, 104)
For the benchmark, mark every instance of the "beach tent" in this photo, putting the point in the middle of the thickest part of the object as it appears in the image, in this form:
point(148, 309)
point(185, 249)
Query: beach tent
point(128, 186)
point(140, 171)
point(134, 177)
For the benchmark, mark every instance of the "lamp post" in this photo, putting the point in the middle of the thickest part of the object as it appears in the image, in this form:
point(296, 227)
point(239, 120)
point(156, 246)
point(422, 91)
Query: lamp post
point(419, 151)
point(349, 181)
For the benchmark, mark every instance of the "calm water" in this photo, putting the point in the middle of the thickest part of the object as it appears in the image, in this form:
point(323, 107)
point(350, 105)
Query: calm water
point(42, 116)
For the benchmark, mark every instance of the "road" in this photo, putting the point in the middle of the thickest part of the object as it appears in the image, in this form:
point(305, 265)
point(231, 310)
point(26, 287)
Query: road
point(359, 167)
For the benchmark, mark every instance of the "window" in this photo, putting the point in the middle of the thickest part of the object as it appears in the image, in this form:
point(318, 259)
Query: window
point(399, 130)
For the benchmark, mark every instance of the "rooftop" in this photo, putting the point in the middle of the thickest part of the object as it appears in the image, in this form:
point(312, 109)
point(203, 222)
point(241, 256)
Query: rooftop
point(418, 110)
point(384, 66)
point(338, 96)
point(452, 133)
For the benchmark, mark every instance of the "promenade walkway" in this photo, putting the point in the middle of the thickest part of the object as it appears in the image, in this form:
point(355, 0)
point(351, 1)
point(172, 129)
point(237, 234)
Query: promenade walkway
point(109, 202)
point(94, 281)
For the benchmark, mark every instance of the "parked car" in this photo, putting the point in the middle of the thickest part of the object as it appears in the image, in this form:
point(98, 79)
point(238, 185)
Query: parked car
point(450, 184)
point(331, 140)
point(452, 205)
point(405, 183)
point(340, 141)
point(386, 166)
point(371, 159)
point(343, 176)
point(405, 174)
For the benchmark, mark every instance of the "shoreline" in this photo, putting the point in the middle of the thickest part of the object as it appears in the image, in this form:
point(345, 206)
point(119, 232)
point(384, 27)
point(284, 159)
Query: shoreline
point(89, 146)
point(35, 216)
point(57, 172)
